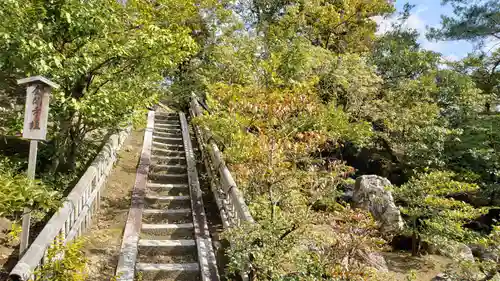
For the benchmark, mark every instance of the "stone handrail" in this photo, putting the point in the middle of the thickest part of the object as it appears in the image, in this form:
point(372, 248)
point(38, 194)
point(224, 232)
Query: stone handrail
point(232, 207)
point(229, 198)
point(75, 215)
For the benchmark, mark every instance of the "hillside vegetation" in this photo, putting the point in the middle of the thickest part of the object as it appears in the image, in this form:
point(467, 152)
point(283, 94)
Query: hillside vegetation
point(304, 97)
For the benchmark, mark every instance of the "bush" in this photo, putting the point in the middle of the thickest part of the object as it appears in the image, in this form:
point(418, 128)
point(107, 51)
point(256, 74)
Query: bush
point(326, 246)
point(17, 192)
point(431, 211)
point(64, 262)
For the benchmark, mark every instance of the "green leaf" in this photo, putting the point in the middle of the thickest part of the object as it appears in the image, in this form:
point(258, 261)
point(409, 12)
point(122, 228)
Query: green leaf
point(68, 17)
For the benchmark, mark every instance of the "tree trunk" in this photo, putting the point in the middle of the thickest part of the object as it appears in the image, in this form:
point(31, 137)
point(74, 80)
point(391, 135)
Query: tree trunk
point(72, 155)
point(70, 152)
point(415, 241)
point(60, 144)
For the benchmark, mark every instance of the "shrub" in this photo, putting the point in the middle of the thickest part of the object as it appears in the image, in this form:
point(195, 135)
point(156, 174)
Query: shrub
point(18, 192)
point(431, 211)
point(64, 262)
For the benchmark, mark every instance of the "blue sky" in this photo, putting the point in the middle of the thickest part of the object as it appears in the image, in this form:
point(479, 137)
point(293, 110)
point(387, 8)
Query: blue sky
point(428, 13)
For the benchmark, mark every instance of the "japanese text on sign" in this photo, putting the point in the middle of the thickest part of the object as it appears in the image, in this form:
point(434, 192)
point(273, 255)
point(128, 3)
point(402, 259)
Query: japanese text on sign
point(37, 112)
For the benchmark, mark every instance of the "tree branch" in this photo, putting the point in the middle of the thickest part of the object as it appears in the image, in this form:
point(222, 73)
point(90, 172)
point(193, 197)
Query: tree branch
point(126, 67)
point(102, 64)
point(288, 232)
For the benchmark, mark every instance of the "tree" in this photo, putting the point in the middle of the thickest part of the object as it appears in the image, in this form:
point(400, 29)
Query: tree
point(430, 211)
point(477, 154)
point(479, 22)
point(399, 57)
point(107, 57)
point(473, 20)
point(484, 70)
point(413, 87)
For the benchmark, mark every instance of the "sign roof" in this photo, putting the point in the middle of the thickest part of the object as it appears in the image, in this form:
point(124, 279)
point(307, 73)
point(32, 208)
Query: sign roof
point(34, 79)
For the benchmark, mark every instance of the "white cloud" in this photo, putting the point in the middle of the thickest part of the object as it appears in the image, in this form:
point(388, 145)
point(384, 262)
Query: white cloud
point(438, 46)
point(491, 45)
point(384, 24)
point(414, 21)
point(451, 58)
point(417, 22)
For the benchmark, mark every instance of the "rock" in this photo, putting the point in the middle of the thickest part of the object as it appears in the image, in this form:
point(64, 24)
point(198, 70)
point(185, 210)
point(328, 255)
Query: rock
point(496, 277)
point(373, 260)
point(348, 195)
point(485, 222)
point(370, 194)
point(485, 254)
point(463, 252)
point(456, 250)
point(441, 277)
point(478, 275)
point(446, 277)
point(5, 225)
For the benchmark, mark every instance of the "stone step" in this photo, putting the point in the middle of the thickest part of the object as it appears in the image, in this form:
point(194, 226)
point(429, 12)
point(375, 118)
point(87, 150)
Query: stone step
point(167, 243)
point(167, 267)
point(168, 167)
point(166, 233)
point(168, 216)
point(167, 157)
point(168, 178)
point(168, 160)
point(167, 185)
point(168, 152)
point(167, 140)
point(147, 226)
point(168, 133)
point(173, 129)
point(167, 114)
point(167, 119)
point(168, 146)
point(167, 125)
point(167, 198)
point(166, 212)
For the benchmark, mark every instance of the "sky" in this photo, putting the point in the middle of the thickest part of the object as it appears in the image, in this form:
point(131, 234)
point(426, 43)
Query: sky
point(427, 13)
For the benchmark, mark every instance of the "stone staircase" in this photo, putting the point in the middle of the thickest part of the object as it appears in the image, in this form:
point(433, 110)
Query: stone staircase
point(171, 242)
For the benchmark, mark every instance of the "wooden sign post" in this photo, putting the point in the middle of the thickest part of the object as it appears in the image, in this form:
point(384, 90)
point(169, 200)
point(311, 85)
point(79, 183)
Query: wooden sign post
point(36, 116)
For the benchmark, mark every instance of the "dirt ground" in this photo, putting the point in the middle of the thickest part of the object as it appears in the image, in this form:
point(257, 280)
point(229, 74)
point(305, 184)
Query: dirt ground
point(103, 241)
point(426, 267)
point(8, 251)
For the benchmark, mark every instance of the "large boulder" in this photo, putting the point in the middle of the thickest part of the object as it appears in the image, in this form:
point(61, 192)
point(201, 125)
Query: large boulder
point(366, 259)
point(374, 260)
point(372, 193)
point(484, 253)
point(456, 250)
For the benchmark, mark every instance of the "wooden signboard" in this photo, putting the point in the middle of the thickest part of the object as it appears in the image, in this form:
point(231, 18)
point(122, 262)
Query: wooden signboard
point(36, 113)
point(36, 116)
